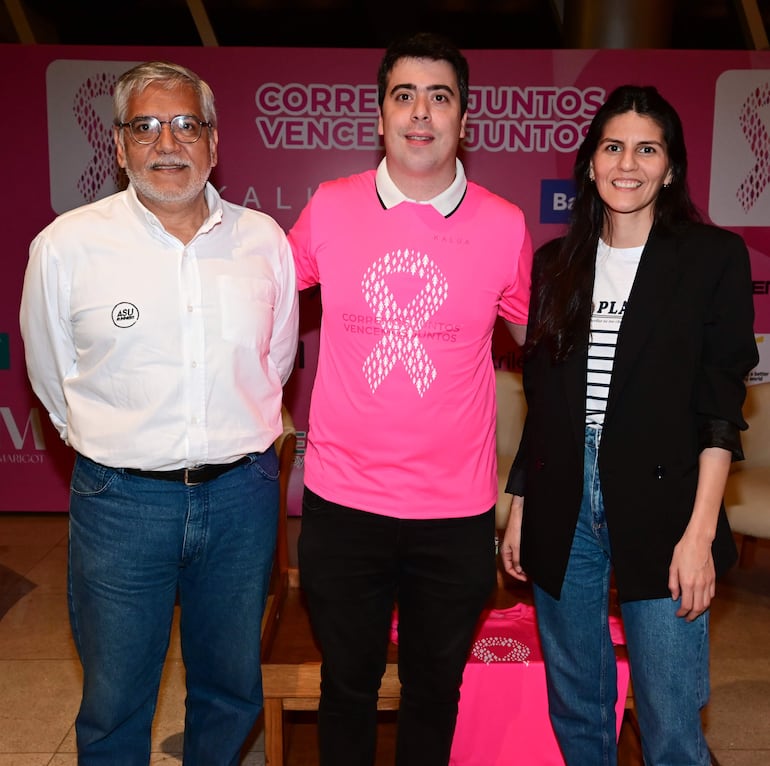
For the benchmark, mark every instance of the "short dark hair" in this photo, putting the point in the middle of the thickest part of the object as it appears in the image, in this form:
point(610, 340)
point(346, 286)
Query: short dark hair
point(424, 45)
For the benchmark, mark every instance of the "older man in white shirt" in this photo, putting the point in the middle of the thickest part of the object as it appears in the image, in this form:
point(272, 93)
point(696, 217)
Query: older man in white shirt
point(160, 325)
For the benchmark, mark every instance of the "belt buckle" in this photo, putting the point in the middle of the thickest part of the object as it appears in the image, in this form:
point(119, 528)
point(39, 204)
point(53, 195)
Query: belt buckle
point(187, 481)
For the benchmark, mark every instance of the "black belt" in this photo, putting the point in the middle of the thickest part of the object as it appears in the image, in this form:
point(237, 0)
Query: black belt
point(190, 476)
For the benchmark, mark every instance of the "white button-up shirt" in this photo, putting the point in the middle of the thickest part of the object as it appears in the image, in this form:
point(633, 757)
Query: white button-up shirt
point(153, 354)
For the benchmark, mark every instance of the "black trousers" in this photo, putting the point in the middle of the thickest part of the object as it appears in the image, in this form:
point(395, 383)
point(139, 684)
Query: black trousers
point(354, 566)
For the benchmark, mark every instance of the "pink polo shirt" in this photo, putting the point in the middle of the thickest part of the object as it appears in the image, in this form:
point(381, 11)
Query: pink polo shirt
point(402, 414)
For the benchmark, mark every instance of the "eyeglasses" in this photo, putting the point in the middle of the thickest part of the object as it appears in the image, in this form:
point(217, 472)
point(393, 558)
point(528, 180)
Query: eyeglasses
point(185, 128)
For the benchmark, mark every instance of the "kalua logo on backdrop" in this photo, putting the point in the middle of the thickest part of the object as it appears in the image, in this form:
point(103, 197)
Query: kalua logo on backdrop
point(81, 153)
point(740, 161)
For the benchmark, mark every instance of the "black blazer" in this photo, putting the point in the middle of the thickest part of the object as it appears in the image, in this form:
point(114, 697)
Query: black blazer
point(685, 346)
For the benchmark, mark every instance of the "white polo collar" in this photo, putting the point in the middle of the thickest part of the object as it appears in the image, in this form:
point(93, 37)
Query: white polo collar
point(445, 203)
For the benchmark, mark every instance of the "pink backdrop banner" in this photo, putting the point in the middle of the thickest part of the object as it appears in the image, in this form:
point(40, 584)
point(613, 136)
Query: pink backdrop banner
point(290, 118)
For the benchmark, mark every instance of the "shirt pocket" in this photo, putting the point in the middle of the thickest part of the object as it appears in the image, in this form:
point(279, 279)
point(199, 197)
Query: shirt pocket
point(246, 306)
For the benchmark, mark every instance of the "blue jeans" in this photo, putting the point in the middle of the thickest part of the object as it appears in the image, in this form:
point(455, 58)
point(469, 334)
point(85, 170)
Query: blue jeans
point(668, 656)
point(354, 565)
point(134, 544)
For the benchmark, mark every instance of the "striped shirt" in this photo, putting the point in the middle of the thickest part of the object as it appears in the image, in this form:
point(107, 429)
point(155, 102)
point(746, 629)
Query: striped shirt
point(615, 272)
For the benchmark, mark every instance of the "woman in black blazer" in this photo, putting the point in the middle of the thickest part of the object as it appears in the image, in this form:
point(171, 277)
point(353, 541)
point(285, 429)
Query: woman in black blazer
point(640, 337)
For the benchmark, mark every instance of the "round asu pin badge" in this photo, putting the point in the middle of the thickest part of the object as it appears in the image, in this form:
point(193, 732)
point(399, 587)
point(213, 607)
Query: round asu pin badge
point(125, 315)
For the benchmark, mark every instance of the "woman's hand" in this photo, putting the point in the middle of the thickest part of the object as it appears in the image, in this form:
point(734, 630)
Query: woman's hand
point(510, 550)
point(692, 576)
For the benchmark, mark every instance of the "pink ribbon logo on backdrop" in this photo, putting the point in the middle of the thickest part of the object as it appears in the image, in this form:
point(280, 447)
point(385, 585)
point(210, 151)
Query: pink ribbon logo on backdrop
point(102, 164)
point(401, 326)
point(758, 138)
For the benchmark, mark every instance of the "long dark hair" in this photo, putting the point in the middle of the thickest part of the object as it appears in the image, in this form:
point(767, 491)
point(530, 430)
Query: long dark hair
point(562, 282)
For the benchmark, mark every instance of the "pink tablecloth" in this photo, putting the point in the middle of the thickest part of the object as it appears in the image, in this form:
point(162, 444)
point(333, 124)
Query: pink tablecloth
point(503, 715)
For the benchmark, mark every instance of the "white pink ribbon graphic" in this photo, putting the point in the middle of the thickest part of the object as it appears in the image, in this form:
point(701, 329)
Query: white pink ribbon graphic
point(758, 137)
point(102, 165)
point(401, 325)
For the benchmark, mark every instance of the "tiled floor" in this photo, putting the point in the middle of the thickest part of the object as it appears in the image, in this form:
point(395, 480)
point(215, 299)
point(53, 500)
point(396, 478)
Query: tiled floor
point(39, 672)
point(40, 677)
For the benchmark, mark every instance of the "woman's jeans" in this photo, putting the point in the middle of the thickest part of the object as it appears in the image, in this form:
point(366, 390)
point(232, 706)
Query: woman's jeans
point(353, 566)
point(668, 656)
point(135, 543)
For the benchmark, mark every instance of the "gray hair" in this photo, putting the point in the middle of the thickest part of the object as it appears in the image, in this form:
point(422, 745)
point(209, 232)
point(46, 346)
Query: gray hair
point(168, 76)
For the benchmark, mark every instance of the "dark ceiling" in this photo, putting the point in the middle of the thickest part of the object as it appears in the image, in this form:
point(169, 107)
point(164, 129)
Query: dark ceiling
point(688, 24)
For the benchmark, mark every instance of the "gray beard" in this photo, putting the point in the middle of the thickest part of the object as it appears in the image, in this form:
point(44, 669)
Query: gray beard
point(146, 189)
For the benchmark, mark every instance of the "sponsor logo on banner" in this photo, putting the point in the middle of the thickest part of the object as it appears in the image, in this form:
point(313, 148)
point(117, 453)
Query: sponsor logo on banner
point(24, 435)
point(81, 153)
point(556, 199)
point(5, 352)
point(761, 373)
point(740, 161)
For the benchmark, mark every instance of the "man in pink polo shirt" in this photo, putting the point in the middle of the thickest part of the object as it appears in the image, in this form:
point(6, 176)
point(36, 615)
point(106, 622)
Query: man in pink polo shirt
point(415, 264)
